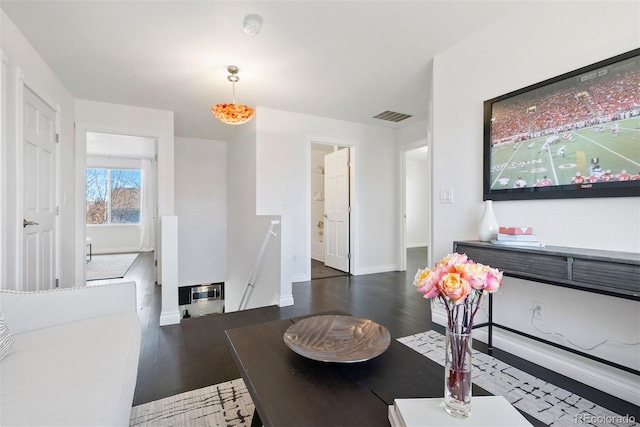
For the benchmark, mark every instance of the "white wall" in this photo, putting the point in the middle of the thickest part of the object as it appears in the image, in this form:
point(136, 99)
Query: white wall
point(417, 204)
point(512, 54)
point(25, 65)
point(246, 231)
point(282, 155)
point(201, 205)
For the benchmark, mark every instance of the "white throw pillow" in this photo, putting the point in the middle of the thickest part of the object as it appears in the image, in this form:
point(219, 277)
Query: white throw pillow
point(6, 342)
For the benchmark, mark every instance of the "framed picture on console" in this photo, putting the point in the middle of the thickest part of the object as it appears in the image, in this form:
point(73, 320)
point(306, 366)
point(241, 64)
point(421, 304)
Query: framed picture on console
point(573, 136)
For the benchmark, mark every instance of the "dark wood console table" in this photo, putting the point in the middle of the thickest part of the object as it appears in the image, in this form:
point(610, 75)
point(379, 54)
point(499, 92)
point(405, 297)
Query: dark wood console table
point(587, 270)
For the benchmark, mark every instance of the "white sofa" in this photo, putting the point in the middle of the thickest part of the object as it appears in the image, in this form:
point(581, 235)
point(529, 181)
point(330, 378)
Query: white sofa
point(75, 360)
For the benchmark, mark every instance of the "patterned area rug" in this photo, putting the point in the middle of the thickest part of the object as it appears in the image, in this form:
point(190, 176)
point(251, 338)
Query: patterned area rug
point(225, 404)
point(109, 266)
point(550, 404)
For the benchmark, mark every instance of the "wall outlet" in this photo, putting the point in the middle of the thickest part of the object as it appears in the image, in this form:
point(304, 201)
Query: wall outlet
point(538, 310)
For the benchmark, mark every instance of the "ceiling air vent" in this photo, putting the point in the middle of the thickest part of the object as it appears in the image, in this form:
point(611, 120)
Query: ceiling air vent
point(392, 116)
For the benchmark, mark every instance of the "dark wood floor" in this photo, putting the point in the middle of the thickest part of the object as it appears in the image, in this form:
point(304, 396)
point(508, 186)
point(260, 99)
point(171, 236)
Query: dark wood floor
point(321, 271)
point(194, 354)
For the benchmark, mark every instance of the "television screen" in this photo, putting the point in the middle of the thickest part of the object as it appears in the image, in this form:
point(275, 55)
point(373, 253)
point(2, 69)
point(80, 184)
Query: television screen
point(576, 135)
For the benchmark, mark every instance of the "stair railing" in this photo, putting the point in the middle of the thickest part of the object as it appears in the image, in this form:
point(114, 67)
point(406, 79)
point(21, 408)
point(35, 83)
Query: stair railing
point(256, 265)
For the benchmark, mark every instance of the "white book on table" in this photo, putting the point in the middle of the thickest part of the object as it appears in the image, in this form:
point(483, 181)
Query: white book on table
point(494, 411)
point(517, 244)
point(517, 237)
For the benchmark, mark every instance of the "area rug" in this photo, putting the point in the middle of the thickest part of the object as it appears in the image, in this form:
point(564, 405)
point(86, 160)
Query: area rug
point(542, 400)
point(109, 266)
point(224, 404)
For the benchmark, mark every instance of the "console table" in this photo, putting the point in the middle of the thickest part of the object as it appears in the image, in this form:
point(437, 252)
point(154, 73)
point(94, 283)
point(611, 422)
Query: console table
point(587, 270)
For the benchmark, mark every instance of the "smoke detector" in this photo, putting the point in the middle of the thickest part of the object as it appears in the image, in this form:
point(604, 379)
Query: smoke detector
point(252, 24)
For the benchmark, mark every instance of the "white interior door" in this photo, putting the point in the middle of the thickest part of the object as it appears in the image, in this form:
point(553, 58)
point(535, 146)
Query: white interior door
point(336, 208)
point(39, 190)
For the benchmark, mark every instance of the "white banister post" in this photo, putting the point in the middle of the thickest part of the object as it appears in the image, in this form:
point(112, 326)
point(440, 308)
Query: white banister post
point(170, 314)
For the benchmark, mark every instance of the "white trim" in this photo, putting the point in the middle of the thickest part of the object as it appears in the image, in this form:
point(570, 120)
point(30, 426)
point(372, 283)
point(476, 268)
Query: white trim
point(19, 207)
point(81, 204)
point(299, 278)
point(81, 188)
point(354, 250)
point(284, 300)
point(116, 250)
point(376, 269)
point(3, 167)
point(416, 245)
point(610, 380)
point(23, 83)
point(169, 318)
point(402, 202)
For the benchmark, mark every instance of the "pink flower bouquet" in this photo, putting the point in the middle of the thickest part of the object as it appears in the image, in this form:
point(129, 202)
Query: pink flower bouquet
point(458, 282)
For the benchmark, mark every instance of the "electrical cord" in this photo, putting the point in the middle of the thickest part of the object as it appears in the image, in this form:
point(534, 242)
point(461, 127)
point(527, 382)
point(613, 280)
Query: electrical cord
point(533, 316)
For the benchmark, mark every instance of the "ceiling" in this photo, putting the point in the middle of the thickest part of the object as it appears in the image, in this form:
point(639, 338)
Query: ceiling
point(347, 60)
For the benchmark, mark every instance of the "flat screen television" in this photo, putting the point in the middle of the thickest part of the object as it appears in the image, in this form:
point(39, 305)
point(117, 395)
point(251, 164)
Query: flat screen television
point(573, 136)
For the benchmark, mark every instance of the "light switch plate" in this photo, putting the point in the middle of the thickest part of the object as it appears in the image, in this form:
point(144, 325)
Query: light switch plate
point(446, 195)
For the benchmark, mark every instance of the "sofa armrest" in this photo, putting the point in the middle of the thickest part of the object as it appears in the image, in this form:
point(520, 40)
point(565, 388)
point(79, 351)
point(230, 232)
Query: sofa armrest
point(28, 311)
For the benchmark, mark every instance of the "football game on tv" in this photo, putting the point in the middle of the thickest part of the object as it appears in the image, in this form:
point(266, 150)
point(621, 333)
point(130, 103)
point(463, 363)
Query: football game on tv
point(577, 135)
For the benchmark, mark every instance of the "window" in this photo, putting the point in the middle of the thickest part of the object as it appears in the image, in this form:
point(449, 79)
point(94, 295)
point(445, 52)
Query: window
point(113, 196)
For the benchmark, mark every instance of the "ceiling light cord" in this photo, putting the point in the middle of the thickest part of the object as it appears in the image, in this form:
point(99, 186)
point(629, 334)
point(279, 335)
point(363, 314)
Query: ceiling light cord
point(233, 86)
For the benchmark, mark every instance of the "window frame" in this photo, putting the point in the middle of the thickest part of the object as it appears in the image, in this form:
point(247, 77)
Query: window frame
point(109, 189)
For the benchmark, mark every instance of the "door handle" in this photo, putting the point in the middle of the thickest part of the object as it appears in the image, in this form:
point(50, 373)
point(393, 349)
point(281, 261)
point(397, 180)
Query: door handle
point(25, 223)
point(325, 215)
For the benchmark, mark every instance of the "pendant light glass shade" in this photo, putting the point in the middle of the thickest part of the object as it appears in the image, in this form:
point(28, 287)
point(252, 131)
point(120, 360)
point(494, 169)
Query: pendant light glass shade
point(233, 114)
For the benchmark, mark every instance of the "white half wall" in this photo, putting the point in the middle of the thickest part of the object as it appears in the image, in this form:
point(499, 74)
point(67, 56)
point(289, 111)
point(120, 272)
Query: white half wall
point(283, 145)
point(201, 205)
point(24, 65)
point(521, 54)
point(246, 232)
point(170, 313)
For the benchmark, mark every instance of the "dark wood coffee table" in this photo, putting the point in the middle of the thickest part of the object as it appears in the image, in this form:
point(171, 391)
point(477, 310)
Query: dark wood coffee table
point(291, 390)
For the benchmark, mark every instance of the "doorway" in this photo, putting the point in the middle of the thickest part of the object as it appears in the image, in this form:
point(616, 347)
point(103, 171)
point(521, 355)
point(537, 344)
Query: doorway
point(415, 224)
point(330, 210)
point(121, 208)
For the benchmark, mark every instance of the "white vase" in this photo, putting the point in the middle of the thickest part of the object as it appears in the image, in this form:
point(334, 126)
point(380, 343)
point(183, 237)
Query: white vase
point(489, 225)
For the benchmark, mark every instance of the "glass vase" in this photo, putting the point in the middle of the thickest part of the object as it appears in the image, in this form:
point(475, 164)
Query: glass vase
point(457, 381)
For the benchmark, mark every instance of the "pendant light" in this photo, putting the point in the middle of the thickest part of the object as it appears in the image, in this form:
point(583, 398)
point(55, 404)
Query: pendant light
point(233, 114)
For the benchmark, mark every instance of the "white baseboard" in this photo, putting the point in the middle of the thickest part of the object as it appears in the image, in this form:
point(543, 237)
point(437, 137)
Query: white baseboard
point(285, 300)
point(376, 269)
point(317, 257)
point(118, 250)
point(299, 278)
point(417, 245)
point(615, 382)
point(169, 318)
